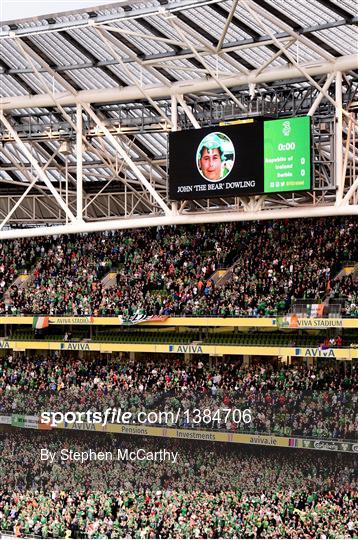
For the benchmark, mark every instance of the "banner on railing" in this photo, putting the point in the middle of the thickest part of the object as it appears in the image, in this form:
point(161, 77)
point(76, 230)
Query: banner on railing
point(33, 422)
point(294, 321)
point(331, 446)
point(289, 321)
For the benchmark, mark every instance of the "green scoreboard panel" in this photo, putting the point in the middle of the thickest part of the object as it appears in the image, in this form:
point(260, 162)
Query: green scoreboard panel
point(287, 154)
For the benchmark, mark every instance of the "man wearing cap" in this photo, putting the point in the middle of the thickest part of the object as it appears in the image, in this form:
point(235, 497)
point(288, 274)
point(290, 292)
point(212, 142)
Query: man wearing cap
point(211, 158)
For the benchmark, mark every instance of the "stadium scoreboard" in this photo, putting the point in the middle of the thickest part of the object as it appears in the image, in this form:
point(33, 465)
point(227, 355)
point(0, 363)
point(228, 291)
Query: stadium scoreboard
point(250, 158)
point(287, 155)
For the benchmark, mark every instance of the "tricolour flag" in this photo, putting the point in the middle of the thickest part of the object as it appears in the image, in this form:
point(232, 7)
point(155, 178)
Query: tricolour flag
point(314, 310)
point(40, 322)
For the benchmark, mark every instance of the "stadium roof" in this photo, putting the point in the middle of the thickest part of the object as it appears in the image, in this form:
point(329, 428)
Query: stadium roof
point(127, 65)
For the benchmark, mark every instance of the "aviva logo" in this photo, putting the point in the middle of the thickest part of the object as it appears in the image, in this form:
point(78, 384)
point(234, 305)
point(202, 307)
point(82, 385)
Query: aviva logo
point(4, 345)
point(318, 353)
point(75, 346)
point(192, 349)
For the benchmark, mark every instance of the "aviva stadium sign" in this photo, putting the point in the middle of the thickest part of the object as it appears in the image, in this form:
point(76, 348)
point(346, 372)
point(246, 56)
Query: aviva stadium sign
point(293, 321)
point(315, 353)
point(191, 349)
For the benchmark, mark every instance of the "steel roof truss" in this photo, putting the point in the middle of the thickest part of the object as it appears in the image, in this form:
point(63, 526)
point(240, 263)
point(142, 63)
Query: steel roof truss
point(290, 57)
point(205, 65)
point(107, 41)
point(37, 167)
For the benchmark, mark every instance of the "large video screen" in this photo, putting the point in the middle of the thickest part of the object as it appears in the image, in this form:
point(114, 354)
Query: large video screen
point(227, 160)
point(254, 157)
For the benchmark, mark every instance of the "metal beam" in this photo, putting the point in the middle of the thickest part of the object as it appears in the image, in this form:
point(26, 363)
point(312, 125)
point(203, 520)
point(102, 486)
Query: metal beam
point(190, 86)
point(182, 219)
point(347, 152)
point(105, 186)
point(97, 164)
point(275, 19)
point(18, 203)
point(276, 55)
point(79, 163)
point(18, 164)
point(149, 37)
point(67, 24)
point(206, 66)
point(314, 41)
point(338, 158)
point(227, 24)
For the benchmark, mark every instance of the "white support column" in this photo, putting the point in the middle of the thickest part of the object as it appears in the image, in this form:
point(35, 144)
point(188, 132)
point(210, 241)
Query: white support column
point(320, 96)
point(253, 203)
point(174, 110)
point(188, 112)
point(174, 118)
point(227, 24)
point(37, 167)
point(346, 151)
point(79, 164)
point(66, 184)
point(352, 190)
point(259, 202)
point(339, 140)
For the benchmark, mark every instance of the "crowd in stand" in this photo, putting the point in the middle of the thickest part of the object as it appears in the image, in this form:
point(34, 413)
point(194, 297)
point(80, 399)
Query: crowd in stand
point(14, 256)
point(212, 491)
point(316, 401)
point(170, 270)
